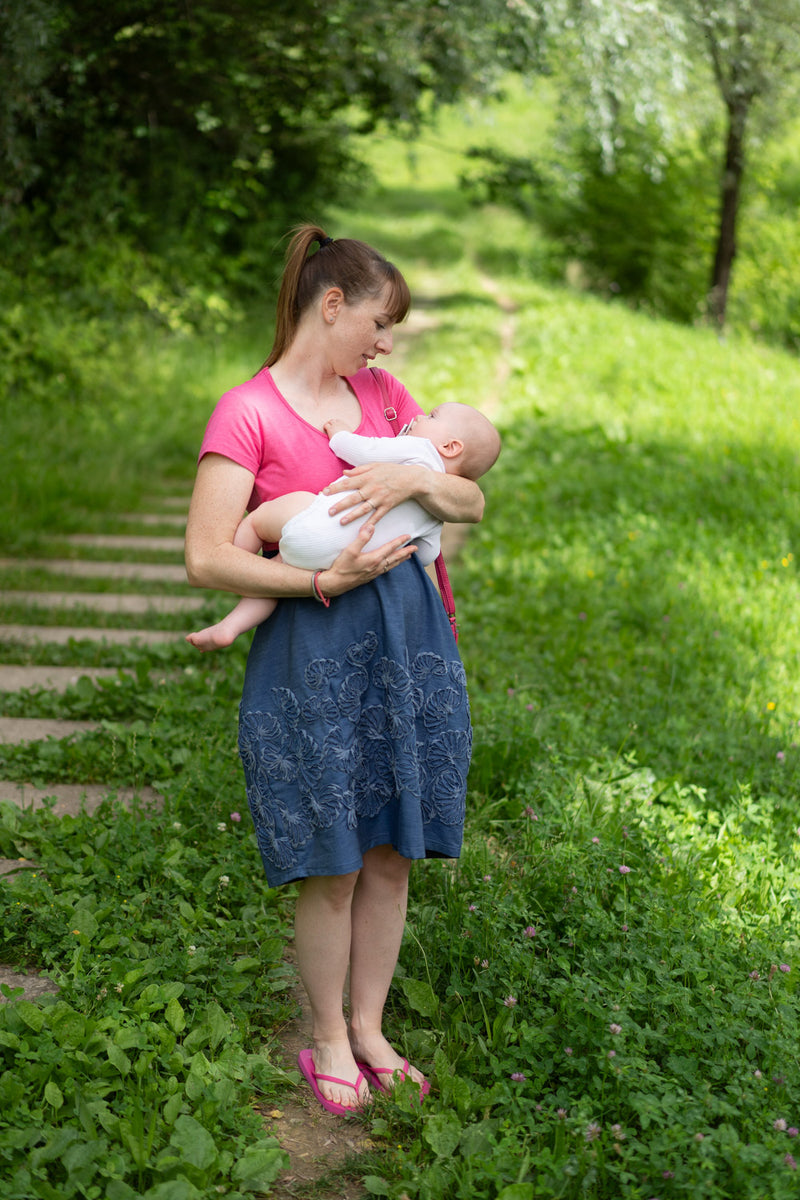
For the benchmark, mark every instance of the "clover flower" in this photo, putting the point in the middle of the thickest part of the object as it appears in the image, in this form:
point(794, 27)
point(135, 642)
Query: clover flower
point(785, 968)
point(518, 1077)
point(221, 826)
point(592, 1131)
point(236, 817)
point(790, 1162)
point(224, 880)
point(779, 1125)
point(614, 1028)
point(754, 975)
point(510, 1002)
point(530, 931)
point(624, 869)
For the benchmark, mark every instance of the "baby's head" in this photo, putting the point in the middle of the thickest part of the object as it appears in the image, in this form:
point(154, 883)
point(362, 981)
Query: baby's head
point(467, 440)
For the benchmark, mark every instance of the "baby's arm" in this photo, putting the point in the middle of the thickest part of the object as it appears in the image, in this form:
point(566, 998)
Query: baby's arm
point(359, 450)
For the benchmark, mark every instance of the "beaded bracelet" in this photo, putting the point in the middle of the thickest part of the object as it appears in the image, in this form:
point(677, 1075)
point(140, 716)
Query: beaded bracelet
point(316, 591)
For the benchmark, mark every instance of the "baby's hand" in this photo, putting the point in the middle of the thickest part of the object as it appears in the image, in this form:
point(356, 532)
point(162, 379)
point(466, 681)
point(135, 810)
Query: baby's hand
point(335, 425)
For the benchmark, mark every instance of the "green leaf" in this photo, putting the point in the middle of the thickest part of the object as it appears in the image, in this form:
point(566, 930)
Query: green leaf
point(53, 1094)
point(194, 1143)
point(442, 1132)
point(174, 1016)
point(30, 1014)
point(260, 1166)
point(516, 1191)
point(375, 1185)
point(421, 996)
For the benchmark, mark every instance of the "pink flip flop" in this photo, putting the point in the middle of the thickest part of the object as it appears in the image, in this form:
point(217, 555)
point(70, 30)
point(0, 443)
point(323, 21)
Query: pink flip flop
point(373, 1075)
point(305, 1061)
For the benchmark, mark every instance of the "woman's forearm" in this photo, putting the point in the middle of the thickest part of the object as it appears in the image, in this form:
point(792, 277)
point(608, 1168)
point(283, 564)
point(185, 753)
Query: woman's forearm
point(449, 497)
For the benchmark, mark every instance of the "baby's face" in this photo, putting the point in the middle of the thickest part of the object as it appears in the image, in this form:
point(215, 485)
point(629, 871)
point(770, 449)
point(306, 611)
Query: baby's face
point(440, 425)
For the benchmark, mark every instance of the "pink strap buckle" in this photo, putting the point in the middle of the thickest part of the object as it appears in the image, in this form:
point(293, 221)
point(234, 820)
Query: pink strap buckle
point(390, 414)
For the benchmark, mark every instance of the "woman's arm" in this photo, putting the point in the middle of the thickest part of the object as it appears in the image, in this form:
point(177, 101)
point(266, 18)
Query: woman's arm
point(221, 494)
point(383, 486)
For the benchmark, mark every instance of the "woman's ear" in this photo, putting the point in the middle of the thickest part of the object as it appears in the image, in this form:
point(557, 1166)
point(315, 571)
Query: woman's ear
point(332, 301)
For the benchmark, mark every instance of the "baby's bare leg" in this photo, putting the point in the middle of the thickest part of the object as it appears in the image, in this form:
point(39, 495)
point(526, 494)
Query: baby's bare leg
point(263, 524)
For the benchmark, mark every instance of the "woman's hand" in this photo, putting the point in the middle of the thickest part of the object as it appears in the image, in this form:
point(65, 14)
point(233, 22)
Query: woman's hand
point(354, 567)
point(375, 488)
point(380, 487)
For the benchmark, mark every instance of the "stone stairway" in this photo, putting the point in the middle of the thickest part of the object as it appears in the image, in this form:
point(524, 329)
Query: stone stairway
point(61, 607)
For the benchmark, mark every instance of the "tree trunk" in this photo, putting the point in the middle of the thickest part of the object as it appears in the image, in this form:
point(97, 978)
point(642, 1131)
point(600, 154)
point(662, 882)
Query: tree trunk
point(728, 210)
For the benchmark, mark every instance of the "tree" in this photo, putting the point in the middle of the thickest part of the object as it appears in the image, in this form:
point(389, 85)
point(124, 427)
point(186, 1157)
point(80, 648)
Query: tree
point(198, 123)
point(754, 50)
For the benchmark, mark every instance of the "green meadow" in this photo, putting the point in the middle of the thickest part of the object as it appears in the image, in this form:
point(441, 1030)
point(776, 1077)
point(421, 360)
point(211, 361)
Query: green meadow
point(604, 989)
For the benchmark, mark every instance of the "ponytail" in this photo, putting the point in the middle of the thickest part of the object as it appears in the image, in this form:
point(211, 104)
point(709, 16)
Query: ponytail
point(353, 266)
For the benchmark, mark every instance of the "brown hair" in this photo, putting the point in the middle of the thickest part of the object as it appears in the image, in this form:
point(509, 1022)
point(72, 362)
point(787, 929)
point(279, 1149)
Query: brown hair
point(356, 268)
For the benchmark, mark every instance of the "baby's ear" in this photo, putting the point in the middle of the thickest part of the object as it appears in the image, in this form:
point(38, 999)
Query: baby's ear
point(451, 448)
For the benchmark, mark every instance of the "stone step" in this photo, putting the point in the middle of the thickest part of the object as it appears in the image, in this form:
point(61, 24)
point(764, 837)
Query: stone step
point(56, 679)
point(153, 518)
point(142, 572)
point(107, 602)
point(16, 730)
point(61, 635)
point(111, 541)
point(72, 798)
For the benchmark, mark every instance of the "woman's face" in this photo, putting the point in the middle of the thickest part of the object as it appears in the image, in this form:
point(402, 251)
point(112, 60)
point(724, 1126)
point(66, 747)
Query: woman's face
point(363, 330)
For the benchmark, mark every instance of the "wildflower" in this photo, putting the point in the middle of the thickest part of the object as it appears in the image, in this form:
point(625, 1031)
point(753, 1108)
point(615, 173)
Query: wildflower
point(790, 1162)
point(236, 817)
point(529, 707)
point(754, 975)
point(518, 1077)
point(699, 1137)
point(618, 1132)
point(624, 928)
point(177, 825)
point(509, 691)
point(612, 1054)
point(779, 1125)
point(77, 932)
point(780, 756)
point(487, 879)
point(484, 963)
point(667, 1174)
point(624, 869)
point(191, 950)
point(561, 1113)
point(757, 1074)
point(530, 931)
point(592, 1132)
point(771, 706)
point(595, 841)
point(530, 814)
point(224, 880)
point(568, 1050)
point(472, 908)
point(222, 826)
point(785, 968)
point(614, 1028)
point(510, 1002)
point(582, 616)
point(117, 987)
point(103, 992)
point(792, 1131)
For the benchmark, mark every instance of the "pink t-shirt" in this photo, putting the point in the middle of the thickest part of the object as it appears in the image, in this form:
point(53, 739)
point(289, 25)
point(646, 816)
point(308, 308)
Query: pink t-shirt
point(255, 427)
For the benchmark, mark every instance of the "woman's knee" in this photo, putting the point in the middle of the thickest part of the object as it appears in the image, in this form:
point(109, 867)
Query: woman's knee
point(334, 891)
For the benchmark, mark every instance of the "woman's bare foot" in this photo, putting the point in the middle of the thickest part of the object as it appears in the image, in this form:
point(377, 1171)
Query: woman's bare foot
point(376, 1053)
point(338, 1062)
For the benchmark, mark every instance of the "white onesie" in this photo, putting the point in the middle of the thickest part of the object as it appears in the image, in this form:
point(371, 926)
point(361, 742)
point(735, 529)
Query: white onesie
point(313, 539)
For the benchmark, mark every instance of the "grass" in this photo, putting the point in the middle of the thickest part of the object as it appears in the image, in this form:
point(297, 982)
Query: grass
point(604, 989)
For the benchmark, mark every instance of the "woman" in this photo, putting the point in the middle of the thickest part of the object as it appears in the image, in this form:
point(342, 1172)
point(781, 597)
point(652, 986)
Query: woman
point(354, 725)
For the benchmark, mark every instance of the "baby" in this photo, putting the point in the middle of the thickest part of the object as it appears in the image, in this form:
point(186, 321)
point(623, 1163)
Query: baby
point(453, 438)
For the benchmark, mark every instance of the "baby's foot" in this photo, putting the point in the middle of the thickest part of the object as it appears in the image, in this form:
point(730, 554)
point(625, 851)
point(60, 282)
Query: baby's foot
point(215, 637)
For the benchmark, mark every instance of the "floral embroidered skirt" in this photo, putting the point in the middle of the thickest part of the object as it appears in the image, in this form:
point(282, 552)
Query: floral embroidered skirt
point(354, 729)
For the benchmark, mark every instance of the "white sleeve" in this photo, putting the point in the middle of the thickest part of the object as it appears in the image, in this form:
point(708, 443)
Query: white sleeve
point(412, 451)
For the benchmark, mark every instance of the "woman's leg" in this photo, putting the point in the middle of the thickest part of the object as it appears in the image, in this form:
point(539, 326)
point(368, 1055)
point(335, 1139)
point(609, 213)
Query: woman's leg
point(323, 930)
point(379, 908)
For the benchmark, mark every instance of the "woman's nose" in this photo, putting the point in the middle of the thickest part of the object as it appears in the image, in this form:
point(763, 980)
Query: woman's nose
point(385, 342)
